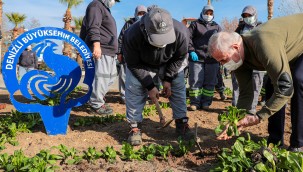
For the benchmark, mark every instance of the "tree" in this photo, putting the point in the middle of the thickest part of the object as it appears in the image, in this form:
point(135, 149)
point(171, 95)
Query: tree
point(78, 24)
point(270, 8)
point(229, 25)
point(67, 21)
point(288, 7)
point(16, 19)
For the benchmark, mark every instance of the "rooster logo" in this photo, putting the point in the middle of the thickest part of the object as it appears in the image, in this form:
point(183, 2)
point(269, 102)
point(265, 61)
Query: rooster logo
point(38, 85)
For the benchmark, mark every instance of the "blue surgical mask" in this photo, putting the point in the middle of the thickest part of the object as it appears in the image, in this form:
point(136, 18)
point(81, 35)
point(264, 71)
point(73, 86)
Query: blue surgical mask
point(207, 18)
point(250, 20)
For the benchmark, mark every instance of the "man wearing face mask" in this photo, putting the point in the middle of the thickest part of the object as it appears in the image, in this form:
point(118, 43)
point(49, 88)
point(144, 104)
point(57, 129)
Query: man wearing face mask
point(279, 51)
point(157, 44)
point(139, 12)
point(250, 21)
point(203, 68)
point(99, 31)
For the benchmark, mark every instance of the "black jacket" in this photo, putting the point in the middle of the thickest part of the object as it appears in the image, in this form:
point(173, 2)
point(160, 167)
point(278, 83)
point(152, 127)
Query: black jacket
point(120, 38)
point(28, 59)
point(141, 57)
point(199, 34)
point(100, 26)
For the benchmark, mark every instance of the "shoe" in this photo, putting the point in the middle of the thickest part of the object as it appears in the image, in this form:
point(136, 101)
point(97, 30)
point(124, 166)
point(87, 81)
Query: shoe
point(183, 130)
point(206, 108)
point(294, 149)
point(104, 110)
point(192, 108)
point(135, 136)
point(222, 96)
point(122, 101)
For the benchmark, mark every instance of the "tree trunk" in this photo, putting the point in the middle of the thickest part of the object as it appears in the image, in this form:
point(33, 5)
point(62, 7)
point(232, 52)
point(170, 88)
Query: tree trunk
point(270, 8)
point(15, 33)
point(208, 2)
point(67, 50)
point(1, 12)
point(79, 60)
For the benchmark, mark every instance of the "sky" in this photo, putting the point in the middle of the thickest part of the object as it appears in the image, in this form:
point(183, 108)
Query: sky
point(50, 12)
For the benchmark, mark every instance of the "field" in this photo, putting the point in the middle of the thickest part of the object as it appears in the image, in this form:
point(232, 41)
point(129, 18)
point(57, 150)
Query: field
point(84, 133)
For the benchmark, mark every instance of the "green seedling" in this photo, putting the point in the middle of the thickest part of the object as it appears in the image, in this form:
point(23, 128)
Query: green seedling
point(91, 155)
point(128, 152)
point(230, 119)
point(148, 152)
point(183, 147)
point(109, 154)
point(164, 150)
point(164, 105)
point(149, 110)
point(70, 156)
point(228, 91)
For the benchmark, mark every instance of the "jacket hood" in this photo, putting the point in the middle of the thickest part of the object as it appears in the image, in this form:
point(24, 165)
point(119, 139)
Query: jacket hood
point(140, 8)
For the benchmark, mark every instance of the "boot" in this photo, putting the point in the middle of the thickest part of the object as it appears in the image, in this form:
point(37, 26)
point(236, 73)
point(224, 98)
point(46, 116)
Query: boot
point(135, 136)
point(222, 96)
point(182, 129)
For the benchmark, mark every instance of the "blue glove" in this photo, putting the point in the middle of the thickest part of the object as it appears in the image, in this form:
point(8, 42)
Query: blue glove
point(194, 56)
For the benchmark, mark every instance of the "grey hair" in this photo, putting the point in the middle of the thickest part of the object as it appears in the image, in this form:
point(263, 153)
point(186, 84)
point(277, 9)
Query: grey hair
point(222, 41)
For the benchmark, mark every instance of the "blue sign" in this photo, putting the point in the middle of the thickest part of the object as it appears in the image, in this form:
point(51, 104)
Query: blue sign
point(38, 85)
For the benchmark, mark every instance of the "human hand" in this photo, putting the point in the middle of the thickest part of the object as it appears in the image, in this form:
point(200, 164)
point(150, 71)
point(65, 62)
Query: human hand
point(194, 56)
point(167, 89)
point(248, 120)
point(153, 94)
point(120, 58)
point(97, 50)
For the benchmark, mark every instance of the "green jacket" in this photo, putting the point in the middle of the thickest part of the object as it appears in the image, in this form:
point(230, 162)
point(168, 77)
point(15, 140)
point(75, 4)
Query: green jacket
point(273, 46)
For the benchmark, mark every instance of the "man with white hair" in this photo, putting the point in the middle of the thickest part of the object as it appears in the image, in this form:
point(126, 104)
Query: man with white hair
point(27, 61)
point(139, 12)
point(279, 51)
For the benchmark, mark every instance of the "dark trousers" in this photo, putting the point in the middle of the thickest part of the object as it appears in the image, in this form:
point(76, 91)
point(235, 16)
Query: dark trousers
point(276, 122)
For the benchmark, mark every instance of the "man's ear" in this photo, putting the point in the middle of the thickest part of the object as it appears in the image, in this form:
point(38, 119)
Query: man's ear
point(236, 46)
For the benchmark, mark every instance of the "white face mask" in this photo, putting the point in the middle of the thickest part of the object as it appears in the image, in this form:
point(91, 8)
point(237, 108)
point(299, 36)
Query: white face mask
point(232, 65)
point(207, 18)
point(110, 3)
point(158, 46)
point(250, 20)
point(138, 18)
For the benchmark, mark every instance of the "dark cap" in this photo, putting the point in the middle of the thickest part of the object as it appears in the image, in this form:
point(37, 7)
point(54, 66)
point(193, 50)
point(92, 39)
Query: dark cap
point(159, 27)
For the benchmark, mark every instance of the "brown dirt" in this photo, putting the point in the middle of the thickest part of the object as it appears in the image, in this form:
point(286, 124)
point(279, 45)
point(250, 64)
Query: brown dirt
point(113, 134)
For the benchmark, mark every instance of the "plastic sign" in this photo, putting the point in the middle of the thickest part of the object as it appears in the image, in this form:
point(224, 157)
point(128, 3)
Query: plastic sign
point(37, 86)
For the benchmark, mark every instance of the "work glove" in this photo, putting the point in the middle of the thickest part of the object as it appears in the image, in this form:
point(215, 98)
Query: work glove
point(194, 56)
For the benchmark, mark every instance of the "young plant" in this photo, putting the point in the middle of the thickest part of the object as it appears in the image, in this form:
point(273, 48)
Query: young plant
point(109, 154)
point(228, 91)
point(164, 150)
point(183, 147)
point(69, 155)
point(230, 119)
point(91, 155)
point(147, 152)
point(128, 152)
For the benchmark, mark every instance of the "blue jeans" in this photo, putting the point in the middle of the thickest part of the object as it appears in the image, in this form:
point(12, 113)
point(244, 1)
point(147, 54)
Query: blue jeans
point(136, 95)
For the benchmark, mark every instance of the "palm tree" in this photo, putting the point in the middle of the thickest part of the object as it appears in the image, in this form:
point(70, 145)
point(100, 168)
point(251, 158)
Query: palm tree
point(1, 11)
point(78, 24)
point(16, 19)
point(270, 8)
point(67, 21)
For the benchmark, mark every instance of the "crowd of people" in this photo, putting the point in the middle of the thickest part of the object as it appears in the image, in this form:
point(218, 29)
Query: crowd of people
point(153, 49)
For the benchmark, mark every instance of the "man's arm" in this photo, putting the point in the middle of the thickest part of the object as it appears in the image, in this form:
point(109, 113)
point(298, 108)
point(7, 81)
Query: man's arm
point(246, 94)
point(131, 53)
